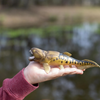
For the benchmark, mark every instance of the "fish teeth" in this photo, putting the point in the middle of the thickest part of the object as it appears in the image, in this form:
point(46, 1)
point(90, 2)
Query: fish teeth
point(30, 52)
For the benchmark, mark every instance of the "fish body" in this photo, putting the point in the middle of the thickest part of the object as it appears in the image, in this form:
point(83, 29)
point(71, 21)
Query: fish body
point(55, 58)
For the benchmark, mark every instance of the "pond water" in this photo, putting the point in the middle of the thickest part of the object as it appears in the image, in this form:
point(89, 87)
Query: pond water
point(82, 41)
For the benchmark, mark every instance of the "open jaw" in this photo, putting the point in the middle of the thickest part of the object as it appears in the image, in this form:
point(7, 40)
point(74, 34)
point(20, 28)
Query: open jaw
point(30, 52)
point(32, 57)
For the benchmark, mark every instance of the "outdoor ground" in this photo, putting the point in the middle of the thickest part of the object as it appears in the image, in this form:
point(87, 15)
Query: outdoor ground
point(17, 18)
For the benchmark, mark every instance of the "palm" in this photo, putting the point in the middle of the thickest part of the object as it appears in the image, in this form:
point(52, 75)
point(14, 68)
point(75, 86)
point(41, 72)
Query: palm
point(37, 73)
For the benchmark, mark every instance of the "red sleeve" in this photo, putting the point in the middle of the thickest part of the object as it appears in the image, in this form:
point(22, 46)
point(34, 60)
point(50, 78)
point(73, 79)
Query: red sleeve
point(16, 88)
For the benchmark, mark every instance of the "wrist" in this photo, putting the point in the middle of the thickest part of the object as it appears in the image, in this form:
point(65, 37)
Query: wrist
point(26, 75)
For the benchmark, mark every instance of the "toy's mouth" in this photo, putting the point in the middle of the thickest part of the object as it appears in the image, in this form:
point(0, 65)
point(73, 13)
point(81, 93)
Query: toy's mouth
point(30, 52)
point(32, 57)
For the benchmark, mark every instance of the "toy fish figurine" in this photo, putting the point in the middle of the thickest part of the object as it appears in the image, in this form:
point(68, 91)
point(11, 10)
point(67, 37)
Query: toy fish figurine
point(55, 58)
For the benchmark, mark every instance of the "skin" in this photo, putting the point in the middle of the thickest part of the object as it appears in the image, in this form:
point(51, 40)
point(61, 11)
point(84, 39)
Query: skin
point(34, 72)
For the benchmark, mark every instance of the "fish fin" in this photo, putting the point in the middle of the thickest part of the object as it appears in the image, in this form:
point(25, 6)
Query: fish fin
point(61, 66)
point(91, 61)
point(70, 66)
point(88, 60)
point(46, 67)
point(67, 53)
point(86, 66)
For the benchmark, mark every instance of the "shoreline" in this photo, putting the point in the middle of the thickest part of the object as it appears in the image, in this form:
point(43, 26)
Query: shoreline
point(37, 16)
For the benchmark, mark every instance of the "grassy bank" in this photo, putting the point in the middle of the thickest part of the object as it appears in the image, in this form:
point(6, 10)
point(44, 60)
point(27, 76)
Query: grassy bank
point(42, 31)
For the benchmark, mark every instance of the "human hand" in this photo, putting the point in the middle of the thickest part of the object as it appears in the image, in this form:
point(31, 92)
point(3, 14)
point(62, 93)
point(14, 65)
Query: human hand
point(35, 73)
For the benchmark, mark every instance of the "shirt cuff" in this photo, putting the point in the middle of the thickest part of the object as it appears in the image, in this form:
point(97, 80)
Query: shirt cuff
point(18, 85)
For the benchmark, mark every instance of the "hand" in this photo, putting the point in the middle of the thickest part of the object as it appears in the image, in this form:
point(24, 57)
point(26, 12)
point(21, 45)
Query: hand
point(35, 73)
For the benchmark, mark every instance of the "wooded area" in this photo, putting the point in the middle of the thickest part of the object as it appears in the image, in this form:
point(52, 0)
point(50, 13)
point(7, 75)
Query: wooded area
point(27, 3)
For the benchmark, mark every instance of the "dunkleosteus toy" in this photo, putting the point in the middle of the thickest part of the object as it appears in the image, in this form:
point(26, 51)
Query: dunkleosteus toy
point(54, 58)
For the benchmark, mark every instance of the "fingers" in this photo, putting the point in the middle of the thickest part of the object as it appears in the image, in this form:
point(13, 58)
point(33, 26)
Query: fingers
point(56, 72)
point(83, 69)
point(73, 71)
point(70, 71)
point(73, 66)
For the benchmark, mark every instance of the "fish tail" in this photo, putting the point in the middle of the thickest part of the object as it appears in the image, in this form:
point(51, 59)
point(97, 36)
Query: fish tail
point(92, 62)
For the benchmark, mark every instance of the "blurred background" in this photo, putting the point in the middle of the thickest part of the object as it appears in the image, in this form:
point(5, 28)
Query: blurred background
point(62, 25)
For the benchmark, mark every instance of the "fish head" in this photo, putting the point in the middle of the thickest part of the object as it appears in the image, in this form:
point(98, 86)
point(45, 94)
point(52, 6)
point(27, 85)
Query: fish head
point(37, 53)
